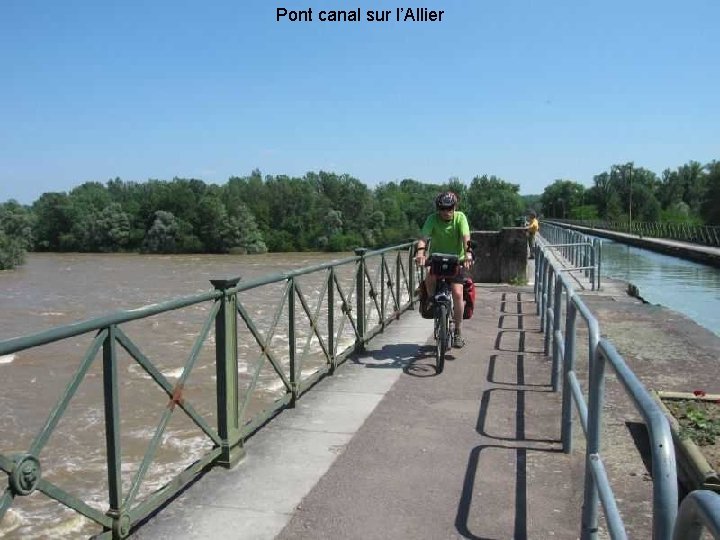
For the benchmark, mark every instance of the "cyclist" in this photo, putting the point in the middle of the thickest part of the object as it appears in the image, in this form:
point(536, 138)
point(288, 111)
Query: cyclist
point(447, 231)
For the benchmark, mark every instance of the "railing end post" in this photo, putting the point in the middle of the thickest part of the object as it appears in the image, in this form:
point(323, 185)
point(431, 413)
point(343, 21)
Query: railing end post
point(226, 369)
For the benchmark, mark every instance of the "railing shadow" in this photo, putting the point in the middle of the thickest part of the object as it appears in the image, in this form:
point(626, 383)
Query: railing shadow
point(491, 378)
point(519, 442)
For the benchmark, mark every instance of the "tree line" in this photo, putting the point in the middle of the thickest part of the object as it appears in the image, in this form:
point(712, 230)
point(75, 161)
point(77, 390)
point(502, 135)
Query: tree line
point(251, 214)
point(689, 194)
point(328, 211)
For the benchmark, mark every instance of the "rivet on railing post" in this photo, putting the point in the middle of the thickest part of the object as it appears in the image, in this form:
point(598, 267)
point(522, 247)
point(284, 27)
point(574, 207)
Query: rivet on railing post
point(360, 299)
point(226, 366)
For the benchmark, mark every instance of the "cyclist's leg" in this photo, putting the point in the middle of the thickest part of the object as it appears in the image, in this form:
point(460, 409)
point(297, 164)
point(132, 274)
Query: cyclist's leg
point(458, 307)
point(430, 282)
point(458, 303)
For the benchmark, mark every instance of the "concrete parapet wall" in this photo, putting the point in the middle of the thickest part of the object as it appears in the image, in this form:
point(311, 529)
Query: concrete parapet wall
point(500, 256)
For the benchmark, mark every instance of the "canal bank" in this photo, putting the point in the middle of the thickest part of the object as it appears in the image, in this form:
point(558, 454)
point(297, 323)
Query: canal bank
point(687, 250)
point(667, 351)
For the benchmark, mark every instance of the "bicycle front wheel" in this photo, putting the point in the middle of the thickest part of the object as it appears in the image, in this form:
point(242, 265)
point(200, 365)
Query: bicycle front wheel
point(441, 337)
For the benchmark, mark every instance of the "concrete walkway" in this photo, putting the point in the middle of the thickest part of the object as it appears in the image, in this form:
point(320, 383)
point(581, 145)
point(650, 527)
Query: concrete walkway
point(388, 449)
point(472, 453)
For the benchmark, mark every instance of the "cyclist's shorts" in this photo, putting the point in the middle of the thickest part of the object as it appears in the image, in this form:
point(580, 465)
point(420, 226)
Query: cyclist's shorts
point(461, 276)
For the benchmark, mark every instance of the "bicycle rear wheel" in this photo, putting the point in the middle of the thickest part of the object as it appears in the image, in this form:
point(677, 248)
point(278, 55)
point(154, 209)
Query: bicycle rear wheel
point(441, 337)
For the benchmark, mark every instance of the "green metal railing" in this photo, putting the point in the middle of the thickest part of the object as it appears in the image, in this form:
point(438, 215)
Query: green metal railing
point(382, 286)
point(697, 234)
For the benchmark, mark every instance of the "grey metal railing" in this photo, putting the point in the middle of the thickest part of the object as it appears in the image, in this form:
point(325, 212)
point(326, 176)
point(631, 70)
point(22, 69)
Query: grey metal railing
point(581, 252)
point(699, 510)
point(380, 288)
point(554, 295)
point(698, 234)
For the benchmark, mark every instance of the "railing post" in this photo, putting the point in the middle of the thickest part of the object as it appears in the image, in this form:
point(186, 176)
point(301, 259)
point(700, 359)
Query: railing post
point(539, 262)
point(294, 375)
point(598, 256)
point(360, 299)
point(382, 291)
point(548, 306)
point(226, 369)
point(557, 309)
point(331, 320)
point(398, 275)
point(121, 521)
point(596, 390)
point(543, 294)
point(411, 275)
point(566, 428)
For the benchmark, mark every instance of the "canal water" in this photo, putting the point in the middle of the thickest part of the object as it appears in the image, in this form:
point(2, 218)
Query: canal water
point(57, 289)
point(684, 286)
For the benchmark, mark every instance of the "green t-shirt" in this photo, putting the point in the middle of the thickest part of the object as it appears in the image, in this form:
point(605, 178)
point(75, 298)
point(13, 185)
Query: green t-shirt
point(446, 236)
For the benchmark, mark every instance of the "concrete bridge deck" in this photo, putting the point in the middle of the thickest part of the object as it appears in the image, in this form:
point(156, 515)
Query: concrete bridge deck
point(388, 449)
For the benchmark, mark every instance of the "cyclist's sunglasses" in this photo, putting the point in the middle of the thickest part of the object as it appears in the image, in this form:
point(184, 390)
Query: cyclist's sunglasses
point(446, 208)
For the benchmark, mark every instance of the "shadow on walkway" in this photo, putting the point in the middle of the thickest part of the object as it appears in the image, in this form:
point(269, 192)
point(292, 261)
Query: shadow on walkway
point(510, 325)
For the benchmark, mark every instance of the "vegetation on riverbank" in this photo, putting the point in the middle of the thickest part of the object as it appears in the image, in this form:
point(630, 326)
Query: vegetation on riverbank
point(689, 194)
point(320, 211)
point(327, 211)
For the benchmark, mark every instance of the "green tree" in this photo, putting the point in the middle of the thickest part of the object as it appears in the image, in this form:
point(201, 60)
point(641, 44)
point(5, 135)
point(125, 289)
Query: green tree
point(687, 184)
point(106, 230)
point(561, 197)
point(533, 202)
point(11, 252)
point(15, 234)
point(249, 238)
point(493, 203)
point(162, 237)
point(17, 222)
point(213, 225)
point(52, 220)
point(710, 207)
point(396, 227)
point(626, 191)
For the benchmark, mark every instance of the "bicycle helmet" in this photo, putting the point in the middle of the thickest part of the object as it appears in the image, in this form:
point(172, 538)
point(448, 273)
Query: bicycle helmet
point(446, 199)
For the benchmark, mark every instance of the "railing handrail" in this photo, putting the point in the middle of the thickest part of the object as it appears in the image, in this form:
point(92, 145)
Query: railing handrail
point(16, 344)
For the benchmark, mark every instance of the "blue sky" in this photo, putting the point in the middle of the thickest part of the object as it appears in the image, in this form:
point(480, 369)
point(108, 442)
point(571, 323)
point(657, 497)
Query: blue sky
point(529, 91)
